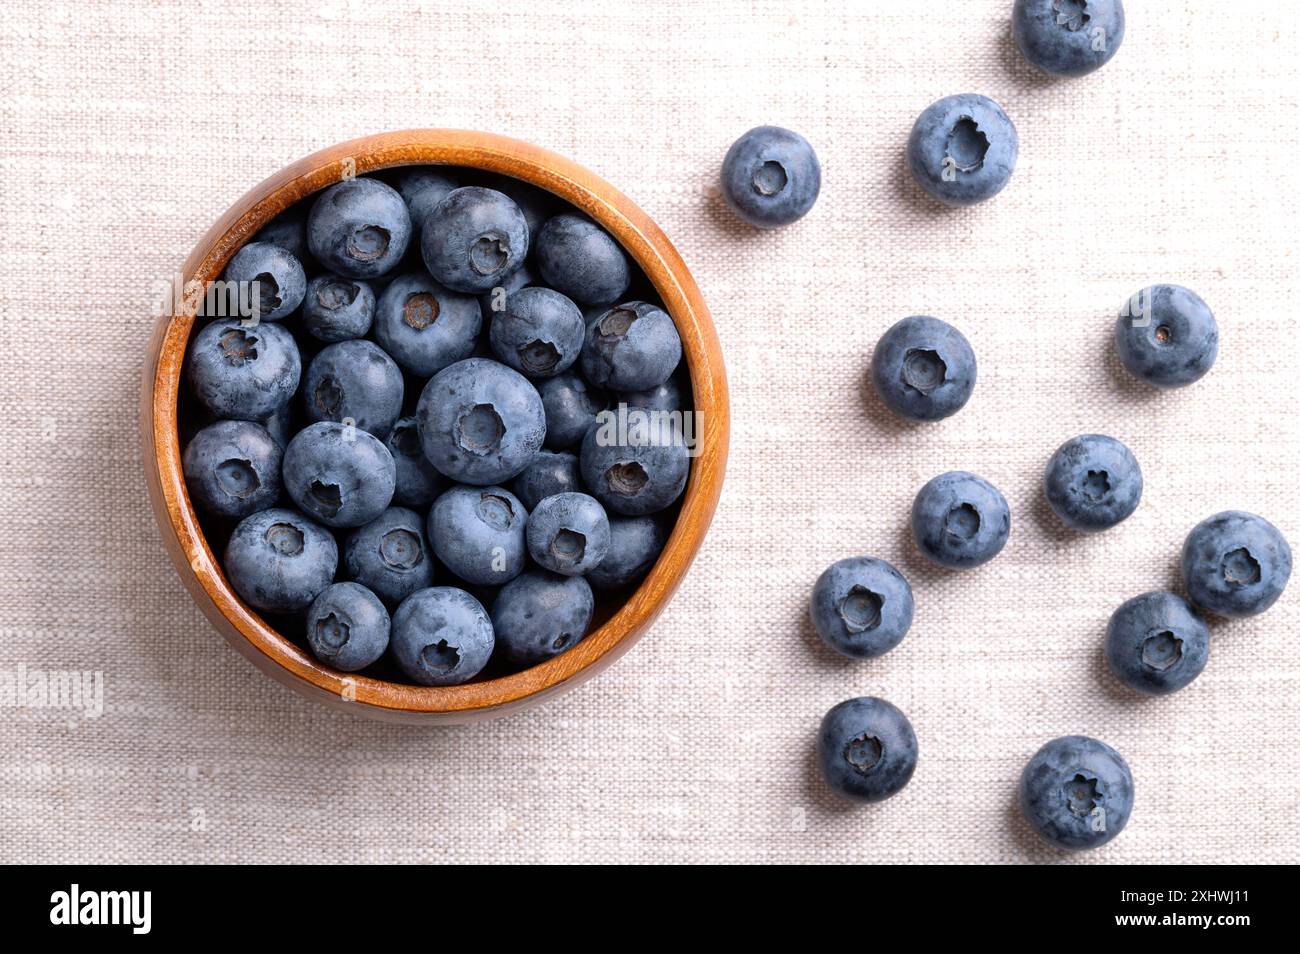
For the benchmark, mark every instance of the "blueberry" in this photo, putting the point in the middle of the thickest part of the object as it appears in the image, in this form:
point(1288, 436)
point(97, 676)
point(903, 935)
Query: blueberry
point(417, 482)
point(354, 382)
point(771, 177)
point(289, 231)
point(923, 369)
point(1167, 336)
point(424, 326)
point(1076, 792)
point(579, 258)
point(359, 228)
point(571, 406)
point(473, 239)
point(1156, 643)
point(245, 373)
point(233, 468)
point(634, 545)
point(478, 532)
point(495, 301)
point(963, 149)
point(550, 473)
point(568, 533)
point(866, 749)
point(1093, 482)
point(540, 333)
point(347, 627)
point(279, 561)
point(422, 188)
point(538, 615)
point(1235, 564)
point(536, 204)
point(862, 607)
point(337, 308)
point(340, 475)
point(960, 520)
point(631, 348)
point(673, 395)
point(281, 282)
point(1068, 37)
point(442, 636)
point(640, 471)
point(480, 422)
point(390, 555)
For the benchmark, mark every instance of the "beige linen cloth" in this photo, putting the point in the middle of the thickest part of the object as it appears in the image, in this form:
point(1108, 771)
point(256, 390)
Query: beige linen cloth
point(130, 125)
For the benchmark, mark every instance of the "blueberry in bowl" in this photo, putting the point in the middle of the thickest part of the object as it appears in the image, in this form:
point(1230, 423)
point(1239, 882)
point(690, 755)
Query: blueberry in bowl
point(963, 149)
point(343, 570)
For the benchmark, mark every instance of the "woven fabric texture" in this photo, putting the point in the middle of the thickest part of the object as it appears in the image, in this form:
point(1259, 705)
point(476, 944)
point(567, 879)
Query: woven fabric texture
point(129, 126)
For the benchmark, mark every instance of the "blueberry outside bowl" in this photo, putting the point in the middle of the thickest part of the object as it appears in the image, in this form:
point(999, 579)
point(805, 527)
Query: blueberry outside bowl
point(617, 626)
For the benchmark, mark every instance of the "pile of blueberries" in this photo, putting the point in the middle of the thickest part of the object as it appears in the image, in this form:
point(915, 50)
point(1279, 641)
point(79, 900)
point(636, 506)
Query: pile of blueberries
point(1077, 792)
point(492, 401)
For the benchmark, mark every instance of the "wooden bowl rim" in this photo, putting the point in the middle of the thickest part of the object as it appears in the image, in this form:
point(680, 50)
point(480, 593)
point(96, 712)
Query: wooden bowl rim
point(644, 242)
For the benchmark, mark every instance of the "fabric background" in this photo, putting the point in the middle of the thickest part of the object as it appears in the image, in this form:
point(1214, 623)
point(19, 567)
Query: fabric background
point(130, 126)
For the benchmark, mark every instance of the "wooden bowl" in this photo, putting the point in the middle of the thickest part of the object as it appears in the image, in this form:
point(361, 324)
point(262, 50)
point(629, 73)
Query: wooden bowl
point(200, 568)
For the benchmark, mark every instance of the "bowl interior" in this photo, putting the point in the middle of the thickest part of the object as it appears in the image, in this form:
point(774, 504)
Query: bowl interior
point(621, 617)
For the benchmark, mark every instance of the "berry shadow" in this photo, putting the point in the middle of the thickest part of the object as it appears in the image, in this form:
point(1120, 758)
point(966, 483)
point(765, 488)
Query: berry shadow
point(1027, 842)
point(1128, 388)
point(1027, 77)
point(819, 796)
point(823, 657)
point(914, 197)
point(879, 417)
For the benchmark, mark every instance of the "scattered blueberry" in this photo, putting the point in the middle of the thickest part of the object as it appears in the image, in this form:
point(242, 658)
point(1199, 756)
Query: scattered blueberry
point(577, 257)
point(441, 636)
point(1235, 564)
point(417, 482)
point(637, 472)
point(1093, 482)
point(422, 188)
point(923, 369)
point(233, 468)
point(631, 348)
point(960, 520)
point(425, 327)
point(244, 373)
point(354, 382)
point(389, 555)
point(473, 239)
point(478, 532)
point(867, 749)
point(634, 545)
point(862, 607)
point(1157, 643)
point(1077, 792)
point(771, 177)
point(571, 406)
point(281, 282)
point(339, 475)
point(359, 228)
point(540, 333)
point(279, 561)
point(538, 615)
point(480, 422)
point(347, 627)
point(337, 308)
point(963, 149)
point(1167, 336)
point(1068, 37)
point(568, 533)
point(550, 473)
